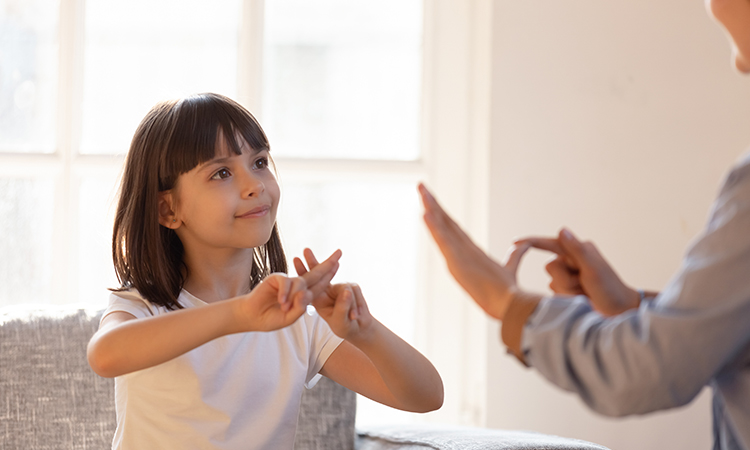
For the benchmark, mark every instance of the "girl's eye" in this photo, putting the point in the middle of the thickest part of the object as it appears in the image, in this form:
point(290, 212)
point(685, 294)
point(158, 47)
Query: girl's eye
point(221, 174)
point(261, 163)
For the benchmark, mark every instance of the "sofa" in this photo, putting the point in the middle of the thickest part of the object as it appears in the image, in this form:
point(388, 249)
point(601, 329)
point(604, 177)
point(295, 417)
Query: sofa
point(50, 398)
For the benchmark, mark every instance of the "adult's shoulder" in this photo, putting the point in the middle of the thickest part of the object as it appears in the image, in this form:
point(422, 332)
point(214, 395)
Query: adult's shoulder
point(739, 173)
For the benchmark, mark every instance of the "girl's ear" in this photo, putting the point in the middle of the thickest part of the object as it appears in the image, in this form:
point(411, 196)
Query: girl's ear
point(167, 216)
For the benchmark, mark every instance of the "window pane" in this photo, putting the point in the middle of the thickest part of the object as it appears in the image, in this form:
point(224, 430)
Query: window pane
point(26, 243)
point(342, 78)
point(143, 51)
point(376, 227)
point(96, 272)
point(28, 75)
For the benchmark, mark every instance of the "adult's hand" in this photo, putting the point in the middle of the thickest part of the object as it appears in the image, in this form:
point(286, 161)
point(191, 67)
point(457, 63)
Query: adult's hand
point(580, 269)
point(492, 285)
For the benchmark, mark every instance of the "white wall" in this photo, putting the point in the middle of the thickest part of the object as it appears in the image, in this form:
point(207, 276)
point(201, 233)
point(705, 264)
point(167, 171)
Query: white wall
point(617, 119)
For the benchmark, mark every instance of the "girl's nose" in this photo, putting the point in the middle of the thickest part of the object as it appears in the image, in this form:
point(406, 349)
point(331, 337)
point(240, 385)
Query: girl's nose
point(252, 185)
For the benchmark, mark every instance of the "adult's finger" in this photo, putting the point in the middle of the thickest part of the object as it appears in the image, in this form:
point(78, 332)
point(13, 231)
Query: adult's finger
point(542, 243)
point(515, 254)
point(574, 249)
point(441, 221)
point(447, 234)
point(565, 279)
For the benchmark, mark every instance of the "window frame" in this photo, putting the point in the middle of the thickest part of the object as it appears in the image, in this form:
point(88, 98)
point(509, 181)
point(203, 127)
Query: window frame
point(455, 118)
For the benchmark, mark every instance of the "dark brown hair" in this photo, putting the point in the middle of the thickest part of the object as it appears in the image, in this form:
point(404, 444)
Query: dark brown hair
point(173, 138)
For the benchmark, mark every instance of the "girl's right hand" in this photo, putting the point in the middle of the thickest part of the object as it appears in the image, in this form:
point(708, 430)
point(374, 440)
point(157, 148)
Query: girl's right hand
point(279, 300)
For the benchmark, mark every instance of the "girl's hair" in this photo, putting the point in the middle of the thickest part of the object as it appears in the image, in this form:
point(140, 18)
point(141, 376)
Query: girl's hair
point(173, 138)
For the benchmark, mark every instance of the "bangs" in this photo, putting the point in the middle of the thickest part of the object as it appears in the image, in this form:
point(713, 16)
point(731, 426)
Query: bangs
point(199, 122)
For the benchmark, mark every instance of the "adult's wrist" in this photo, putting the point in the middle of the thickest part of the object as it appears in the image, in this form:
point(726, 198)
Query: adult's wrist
point(521, 306)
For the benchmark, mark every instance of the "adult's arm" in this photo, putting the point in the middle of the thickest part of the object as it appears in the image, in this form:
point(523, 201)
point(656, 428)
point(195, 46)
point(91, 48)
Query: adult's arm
point(659, 355)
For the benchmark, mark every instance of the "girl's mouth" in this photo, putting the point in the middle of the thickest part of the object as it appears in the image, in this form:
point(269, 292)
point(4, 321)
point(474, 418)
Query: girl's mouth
point(259, 211)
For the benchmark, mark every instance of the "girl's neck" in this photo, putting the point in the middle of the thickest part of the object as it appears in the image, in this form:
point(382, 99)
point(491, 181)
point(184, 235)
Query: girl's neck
point(217, 276)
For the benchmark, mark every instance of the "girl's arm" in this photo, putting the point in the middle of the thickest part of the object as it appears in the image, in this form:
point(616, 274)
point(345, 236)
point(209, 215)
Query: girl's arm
point(378, 364)
point(124, 344)
point(372, 360)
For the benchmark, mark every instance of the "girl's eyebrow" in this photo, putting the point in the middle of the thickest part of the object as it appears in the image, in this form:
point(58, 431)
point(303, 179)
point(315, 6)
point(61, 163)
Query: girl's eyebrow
point(223, 159)
point(213, 162)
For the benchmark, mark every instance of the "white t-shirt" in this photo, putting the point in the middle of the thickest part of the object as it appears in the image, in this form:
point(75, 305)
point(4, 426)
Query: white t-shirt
point(240, 391)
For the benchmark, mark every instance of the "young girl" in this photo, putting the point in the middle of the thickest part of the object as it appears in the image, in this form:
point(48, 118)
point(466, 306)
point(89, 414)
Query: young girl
point(207, 338)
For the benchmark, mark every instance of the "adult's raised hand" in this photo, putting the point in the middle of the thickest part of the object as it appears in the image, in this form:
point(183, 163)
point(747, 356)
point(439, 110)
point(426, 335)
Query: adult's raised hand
point(491, 284)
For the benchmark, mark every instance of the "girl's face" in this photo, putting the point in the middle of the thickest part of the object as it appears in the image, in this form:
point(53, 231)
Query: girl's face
point(229, 202)
point(734, 15)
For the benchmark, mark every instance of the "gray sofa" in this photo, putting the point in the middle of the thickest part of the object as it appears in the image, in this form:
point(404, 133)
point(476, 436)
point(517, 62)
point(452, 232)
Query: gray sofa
point(50, 398)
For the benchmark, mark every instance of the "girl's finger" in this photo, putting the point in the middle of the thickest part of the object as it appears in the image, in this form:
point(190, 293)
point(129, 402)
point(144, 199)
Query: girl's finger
point(297, 292)
point(320, 271)
point(283, 284)
point(301, 300)
point(359, 298)
point(310, 258)
point(299, 266)
point(344, 302)
point(322, 284)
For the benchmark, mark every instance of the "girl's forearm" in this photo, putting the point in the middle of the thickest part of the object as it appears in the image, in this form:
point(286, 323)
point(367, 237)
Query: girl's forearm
point(138, 344)
point(410, 377)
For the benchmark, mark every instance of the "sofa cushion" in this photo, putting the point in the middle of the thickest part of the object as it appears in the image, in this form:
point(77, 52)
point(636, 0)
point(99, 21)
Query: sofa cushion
point(326, 418)
point(449, 437)
point(51, 398)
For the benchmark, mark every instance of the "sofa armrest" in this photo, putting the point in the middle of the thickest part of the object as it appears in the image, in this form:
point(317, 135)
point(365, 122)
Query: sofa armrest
point(50, 396)
point(429, 436)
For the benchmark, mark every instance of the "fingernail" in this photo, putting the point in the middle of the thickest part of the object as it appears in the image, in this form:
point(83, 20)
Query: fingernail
point(567, 234)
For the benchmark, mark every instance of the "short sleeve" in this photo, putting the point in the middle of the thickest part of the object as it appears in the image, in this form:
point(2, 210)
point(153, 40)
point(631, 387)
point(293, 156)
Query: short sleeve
point(130, 302)
point(322, 344)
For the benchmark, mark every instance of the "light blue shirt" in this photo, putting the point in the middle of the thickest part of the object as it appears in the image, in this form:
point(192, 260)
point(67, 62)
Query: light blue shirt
point(659, 356)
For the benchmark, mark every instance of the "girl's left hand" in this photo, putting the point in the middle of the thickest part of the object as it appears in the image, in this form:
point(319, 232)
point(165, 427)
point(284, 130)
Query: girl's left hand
point(341, 305)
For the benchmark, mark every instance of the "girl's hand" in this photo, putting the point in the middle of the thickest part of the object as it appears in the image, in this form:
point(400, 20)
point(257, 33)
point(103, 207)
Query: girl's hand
point(492, 285)
point(279, 300)
point(341, 305)
point(579, 269)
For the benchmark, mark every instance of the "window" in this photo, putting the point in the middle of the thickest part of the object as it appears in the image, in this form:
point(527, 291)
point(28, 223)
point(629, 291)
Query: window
point(360, 101)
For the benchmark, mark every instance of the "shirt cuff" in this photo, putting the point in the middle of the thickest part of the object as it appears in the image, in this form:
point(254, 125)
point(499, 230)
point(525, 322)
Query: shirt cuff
point(521, 307)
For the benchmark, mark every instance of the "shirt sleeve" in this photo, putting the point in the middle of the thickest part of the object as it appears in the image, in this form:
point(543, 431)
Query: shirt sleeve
point(130, 302)
point(659, 355)
point(322, 344)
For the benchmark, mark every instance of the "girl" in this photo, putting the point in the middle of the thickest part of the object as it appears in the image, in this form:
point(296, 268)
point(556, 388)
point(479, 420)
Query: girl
point(207, 337)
